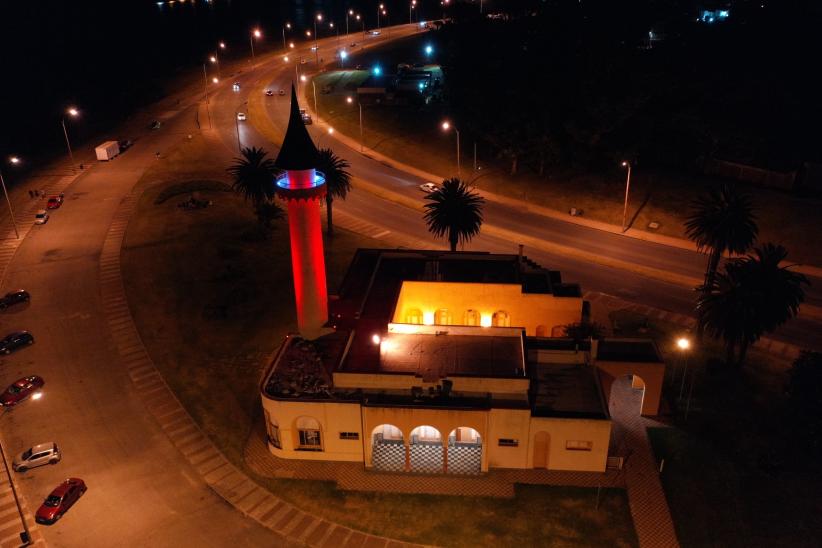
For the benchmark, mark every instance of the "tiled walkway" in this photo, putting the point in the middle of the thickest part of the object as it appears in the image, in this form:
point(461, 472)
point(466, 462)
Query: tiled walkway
point(649, 508)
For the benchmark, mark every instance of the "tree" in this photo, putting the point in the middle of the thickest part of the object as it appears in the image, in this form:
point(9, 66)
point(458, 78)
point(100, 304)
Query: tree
point(267, 213)
point(454, 211)
point(253, 175)
point(337, 180)
point(754, 295)
point(723, 220)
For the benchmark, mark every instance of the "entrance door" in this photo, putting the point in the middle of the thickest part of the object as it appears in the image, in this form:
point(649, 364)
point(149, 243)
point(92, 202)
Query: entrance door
point(541, 442)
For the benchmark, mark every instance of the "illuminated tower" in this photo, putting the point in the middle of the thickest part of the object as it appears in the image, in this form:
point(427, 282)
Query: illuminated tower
point(303, 188)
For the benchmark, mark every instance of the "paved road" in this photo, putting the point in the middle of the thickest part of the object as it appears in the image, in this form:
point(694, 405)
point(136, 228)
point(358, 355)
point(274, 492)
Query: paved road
point(141, 491)
point(404, 221)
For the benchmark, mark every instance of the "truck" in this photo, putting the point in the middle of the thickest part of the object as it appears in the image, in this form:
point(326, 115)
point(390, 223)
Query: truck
point(107, 150)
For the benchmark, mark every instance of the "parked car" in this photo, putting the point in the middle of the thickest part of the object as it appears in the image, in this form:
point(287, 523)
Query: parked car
point(124, 144)
point(60, 500)
point(353, 45)
point(236, 86)
point(14, 297)
point(37, 455)
point(428, 187)
point(269, 92)
point(41, 217)
point(306, 117)
point(54, 202)
point(241, 116)
point(314, 48)
point(155, 124)
point(21, 389)
point(15, 340)
point(374, 32)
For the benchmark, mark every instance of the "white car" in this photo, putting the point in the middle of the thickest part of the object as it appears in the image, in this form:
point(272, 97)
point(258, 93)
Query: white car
point(236, 86)
point(37, 455)
point(241, 116)
point(41, 217)
point(269, 92)
point(313, 48)
point(428, 187)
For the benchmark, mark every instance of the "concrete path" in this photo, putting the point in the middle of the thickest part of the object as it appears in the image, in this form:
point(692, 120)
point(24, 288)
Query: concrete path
point(649, 508)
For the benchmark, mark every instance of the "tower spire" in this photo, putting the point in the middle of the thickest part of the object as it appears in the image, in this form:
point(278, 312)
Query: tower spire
point(298, 151)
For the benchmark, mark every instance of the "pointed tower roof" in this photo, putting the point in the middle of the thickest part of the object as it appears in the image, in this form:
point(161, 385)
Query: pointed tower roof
point(298, 151)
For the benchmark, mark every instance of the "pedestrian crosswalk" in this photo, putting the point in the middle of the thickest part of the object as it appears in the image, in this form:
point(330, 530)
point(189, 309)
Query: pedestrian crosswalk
point(11, 524)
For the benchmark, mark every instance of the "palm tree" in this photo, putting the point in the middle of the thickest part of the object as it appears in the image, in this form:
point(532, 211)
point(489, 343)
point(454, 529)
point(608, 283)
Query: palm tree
point(721, 221)
point(454, 212)
point(254, 175)
point(337, 180)
point(754, 295)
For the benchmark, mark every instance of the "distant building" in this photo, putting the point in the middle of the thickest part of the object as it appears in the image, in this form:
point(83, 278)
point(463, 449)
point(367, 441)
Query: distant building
point(446, 362)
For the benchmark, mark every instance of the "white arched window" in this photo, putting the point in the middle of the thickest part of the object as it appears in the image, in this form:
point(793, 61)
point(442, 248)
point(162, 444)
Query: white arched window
point(442, 317)
point(310, 436)
point(472, 317)
point(414, 316)
point(501, 319)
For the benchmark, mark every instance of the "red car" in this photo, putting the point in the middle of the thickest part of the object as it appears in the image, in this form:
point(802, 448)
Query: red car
point(21, 390)
point(60, 500)
point(54, 202)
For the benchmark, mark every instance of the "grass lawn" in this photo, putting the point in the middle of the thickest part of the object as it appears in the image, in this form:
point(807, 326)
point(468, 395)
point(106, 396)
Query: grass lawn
point(211, 304)
point(412, 135)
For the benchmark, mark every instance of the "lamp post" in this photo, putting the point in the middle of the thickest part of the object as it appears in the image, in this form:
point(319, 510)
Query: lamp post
point(379, 9)
point(362, 27)
point(286, 26)
point(683, 344)
point(25, 536)
point(14, 160)
point(446, 126)
point(73, 112)
point(316, 46)
point(411, 6)
point(350, 100)
point(627, 188)
point(316, 108)
point(347, 14)
point(254, 34)
point(205, 87)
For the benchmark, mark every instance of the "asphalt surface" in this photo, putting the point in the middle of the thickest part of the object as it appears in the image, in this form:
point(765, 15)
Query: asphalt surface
point(402, 220)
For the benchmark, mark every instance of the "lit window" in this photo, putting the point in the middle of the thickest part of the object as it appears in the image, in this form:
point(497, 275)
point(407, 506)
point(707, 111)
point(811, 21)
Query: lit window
point(414, 316)
point(310, 438)
point(442, 317)
point(349, 435)
point(501, 319)
point(507, 442)
point(472, 317)
point(577, 445)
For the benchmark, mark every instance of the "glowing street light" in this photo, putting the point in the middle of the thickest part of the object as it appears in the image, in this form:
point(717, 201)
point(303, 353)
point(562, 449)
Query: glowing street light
point(291, 45)
point(74, 113)
point(627, 187)
point(215, 80)
point(254, 34)
point(429, 49)
point(377, 70)
point(683, 343)
point(380, 9)
point(13, 160)
point(286, 26)
point(446, 125)
point(319, 17)
point(411, 6)
point(347, 15)
point(36, 396)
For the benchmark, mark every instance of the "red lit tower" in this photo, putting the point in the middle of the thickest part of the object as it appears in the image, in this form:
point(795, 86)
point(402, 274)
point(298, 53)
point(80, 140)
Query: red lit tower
point(302, 187)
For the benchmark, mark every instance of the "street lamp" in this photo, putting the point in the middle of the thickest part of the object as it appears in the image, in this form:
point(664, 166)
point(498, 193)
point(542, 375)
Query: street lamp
point(429, 49)
point(14, 160)
point(350, 100)
point(205, 87)
point(380, 8)
point(316, 46)
point(410, 7)
point(74, 113)
point(343, 57)
point(286, 26)
point(347, 14)
point(446, 126)
point(25, 536)
point(362, 27)
point(683, 344)
point(254, 34)
point(627, 187)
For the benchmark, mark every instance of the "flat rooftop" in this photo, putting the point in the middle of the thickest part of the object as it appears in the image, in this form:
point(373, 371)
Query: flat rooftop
point(435, 356)
point(565, 390)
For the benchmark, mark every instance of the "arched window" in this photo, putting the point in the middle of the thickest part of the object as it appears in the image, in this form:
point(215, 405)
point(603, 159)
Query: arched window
point(414, 315)
point(542, 331)
point(442, 317)
point(501, 319)
point(308, 431)
point(558, 331)
point(472, 317)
